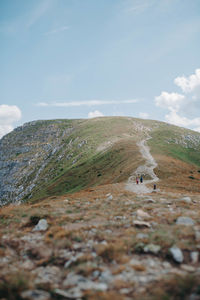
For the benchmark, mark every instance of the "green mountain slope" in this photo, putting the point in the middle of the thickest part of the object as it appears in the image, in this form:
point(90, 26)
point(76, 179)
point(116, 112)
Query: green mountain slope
point(44, 158)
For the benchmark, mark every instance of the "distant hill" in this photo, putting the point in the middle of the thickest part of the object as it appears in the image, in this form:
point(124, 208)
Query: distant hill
point(53, 157)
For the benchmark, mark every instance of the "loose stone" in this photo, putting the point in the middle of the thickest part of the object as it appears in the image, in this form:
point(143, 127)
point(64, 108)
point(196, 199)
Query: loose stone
point(41, 226)
point(176, 254)
point(185, 221)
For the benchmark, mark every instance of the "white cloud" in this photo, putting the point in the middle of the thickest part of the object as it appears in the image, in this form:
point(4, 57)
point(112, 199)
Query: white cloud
point(188, 84)
point(183, 109)
point(171, 101)
point(8, 115)
point(143, 115)
point(138, 6)
point(86, 103)
point(38, 12)
point(94, 114)
point(57, 30)
point(176, 119)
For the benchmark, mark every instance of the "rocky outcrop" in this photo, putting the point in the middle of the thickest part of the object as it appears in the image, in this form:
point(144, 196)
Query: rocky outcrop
point(24, 155)
point(45, 158)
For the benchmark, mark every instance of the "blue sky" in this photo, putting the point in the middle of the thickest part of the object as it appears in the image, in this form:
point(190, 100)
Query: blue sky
point(80, 59)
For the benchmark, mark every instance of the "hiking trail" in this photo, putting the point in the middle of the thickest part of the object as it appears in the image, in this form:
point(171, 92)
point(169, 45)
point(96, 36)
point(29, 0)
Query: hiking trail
point(146, 169)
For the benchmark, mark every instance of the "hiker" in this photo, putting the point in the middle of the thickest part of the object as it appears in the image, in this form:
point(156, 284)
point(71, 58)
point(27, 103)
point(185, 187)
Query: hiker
point(141, 179)
point(137, 180)
point(154, 187)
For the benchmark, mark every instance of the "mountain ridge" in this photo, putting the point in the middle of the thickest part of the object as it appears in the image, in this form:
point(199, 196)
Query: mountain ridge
point(51, 157)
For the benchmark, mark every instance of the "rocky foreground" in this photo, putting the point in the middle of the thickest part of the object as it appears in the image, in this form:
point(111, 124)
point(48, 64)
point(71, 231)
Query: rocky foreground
point(105, 243)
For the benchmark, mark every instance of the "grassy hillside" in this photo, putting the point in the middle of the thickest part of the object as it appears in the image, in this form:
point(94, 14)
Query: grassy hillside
point(54, 157)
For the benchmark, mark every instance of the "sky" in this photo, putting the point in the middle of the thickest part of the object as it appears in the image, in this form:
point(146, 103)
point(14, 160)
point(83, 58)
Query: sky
point(66, 59)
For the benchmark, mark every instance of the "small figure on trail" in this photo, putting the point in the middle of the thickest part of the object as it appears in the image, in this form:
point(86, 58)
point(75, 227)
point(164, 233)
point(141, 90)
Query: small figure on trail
point(154, 187)
point(137, 180)
point(141, 179)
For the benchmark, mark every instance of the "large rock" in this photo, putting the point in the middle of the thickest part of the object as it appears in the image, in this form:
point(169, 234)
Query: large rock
point(176, 254)
point(35, 295)
point(41, 226)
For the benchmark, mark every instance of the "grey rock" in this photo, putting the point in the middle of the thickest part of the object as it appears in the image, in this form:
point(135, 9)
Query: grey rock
point(73, 293)
point(186, 200)
point(155, 249)
point(109, 197)
point(73, 279)
point(149, 200)
point(35, 295)
point(106, 276)
point(47, 275)
point(176, 254)
point(194, 257)
point(41, 226)
point(24, 155)
point(166, 265)
point(90, 285)
point(72, 260)
point(185, 221)
point(125, 291)
point(141, 236)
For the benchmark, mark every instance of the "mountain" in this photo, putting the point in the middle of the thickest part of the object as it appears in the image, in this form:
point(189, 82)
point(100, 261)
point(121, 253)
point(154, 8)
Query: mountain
point(54, 157)
point(84, 228)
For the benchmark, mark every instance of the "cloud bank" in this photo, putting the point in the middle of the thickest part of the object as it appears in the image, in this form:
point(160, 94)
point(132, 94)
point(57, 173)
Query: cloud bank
point(179, 105)
point(8, 115)
point(86, 103)
point(95, 114)
point(189, 84)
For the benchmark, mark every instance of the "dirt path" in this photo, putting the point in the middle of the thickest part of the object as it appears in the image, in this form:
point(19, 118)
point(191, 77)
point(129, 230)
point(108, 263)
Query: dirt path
point(146, 169)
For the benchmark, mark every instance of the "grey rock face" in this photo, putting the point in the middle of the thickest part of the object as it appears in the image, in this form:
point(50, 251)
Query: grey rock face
point(24, 155)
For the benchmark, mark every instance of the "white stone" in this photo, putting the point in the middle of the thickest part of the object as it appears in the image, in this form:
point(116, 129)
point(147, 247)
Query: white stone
point(138, 223)
point(35, 295)
point(194, 257)
point(188, 268)
point(73, 293)
point(109, 197)
point(41, 226)
point(152, 248)
point(143, 214)
point(176, 254)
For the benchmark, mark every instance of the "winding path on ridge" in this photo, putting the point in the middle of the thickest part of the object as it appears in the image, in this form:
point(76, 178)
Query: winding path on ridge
point(146, 169)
